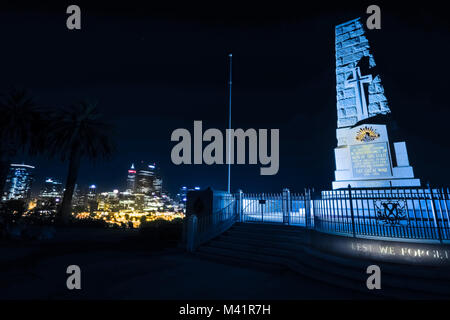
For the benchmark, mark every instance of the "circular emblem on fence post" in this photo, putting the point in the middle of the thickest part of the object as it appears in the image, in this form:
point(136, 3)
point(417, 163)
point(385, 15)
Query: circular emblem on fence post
point(367, 134)
point(391, 212)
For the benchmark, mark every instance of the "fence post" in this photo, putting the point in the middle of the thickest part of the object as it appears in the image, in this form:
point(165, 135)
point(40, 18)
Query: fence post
point(286, 206)
point(240, 204)
point(433, 209)
point(307, 199)
point(191, 233)
point(351, 210)
point(311, 206)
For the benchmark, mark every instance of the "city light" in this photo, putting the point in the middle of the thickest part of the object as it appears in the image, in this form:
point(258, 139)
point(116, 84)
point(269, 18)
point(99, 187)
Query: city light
point(143, 200)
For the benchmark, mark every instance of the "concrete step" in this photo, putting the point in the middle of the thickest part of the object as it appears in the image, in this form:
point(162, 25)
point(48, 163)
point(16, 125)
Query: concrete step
point(327, 264)
point(278, 237)
point(237, 239)
point(281, 262)
point(269, 251)
point(252, 244)
point(434, 273)
point(212, 255)
point(268, 226)
point(398, 277)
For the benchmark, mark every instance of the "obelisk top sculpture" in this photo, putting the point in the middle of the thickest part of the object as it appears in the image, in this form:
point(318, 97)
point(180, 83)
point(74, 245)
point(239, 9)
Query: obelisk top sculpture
point(359, 96)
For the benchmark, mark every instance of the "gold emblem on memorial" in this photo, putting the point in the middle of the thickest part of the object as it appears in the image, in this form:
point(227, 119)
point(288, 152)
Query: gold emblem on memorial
point(367, 134)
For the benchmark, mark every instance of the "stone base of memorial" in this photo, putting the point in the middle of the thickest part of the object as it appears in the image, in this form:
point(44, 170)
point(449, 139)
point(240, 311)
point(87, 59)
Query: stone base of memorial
point(366, 159)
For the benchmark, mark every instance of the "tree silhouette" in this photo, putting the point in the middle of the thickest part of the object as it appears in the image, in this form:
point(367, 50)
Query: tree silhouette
point(78, 132)
point(22, 128)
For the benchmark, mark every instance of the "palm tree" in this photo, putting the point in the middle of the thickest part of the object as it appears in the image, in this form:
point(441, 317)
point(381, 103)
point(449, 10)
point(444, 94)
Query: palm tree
point(21, 128)
point(78, 132)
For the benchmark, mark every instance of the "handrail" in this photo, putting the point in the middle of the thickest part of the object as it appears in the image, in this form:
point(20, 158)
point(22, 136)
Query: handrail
point(210, 226)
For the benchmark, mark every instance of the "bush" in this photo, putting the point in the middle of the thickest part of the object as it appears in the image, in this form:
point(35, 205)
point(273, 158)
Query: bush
point(12, 210)
point(162, 231)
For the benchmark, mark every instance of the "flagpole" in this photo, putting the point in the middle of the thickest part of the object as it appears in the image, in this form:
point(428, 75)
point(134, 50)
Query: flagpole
point(230, 83)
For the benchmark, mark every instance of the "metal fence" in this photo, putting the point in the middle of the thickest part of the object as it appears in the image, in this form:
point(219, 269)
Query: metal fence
point(204, 228)
point(400, 213)
point(412, 213)
point(287, 208)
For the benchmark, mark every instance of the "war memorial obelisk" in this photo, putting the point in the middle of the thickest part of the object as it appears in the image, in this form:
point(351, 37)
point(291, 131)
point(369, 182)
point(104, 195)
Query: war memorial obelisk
point(365, 157)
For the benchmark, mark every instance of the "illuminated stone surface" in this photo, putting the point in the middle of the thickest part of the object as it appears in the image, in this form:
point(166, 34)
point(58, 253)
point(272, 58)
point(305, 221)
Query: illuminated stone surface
point(365, 158)
point(351, 47)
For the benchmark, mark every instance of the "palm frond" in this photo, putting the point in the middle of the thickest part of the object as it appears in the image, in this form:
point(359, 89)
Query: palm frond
point(81, 127)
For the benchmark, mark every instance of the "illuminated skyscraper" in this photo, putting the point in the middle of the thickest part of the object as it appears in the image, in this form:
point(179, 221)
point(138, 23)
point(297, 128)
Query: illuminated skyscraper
point(144, 178)
point(79, 199)
point(50, 196)
point(147, 180)
point(92, 191)
point(182, 194)
point(18, 183)
point(131, 179)
point(52, 189)
point(157, 184)
point(92, 198)
point(157, 181)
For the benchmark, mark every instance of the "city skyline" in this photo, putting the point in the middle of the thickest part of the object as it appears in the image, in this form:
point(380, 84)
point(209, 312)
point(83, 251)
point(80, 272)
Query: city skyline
point(142, 200)
point(40, 180)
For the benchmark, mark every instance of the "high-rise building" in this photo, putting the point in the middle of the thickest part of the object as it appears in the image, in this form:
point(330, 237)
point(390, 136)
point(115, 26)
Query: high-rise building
point(157, 185)
point(92, 203)
point(18, 183)
point(131, 179)
point(79, 199)
point(144, 179)
point(157, 180)
point(182, 194)
point(50, 197)
point(52, 189)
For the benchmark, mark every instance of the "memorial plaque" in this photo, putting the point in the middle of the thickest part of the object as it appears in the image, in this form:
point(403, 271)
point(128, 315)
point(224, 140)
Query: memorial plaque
point(370, 160)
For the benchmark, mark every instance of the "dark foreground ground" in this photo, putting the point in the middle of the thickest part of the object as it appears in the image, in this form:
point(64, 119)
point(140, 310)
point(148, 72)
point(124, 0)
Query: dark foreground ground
point(118, 264)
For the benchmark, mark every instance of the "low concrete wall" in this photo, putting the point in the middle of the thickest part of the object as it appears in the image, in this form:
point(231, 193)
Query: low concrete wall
point(410, 253)
point(206, 202)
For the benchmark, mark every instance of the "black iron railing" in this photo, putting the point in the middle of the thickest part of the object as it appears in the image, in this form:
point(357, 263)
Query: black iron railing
point(398, 213)
point(410, 213)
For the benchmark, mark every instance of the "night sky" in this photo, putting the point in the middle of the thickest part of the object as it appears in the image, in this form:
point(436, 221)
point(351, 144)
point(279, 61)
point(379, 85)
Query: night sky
point(154, 69)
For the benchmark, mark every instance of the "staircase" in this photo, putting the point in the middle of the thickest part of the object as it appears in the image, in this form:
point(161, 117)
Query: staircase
point(278, 247)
